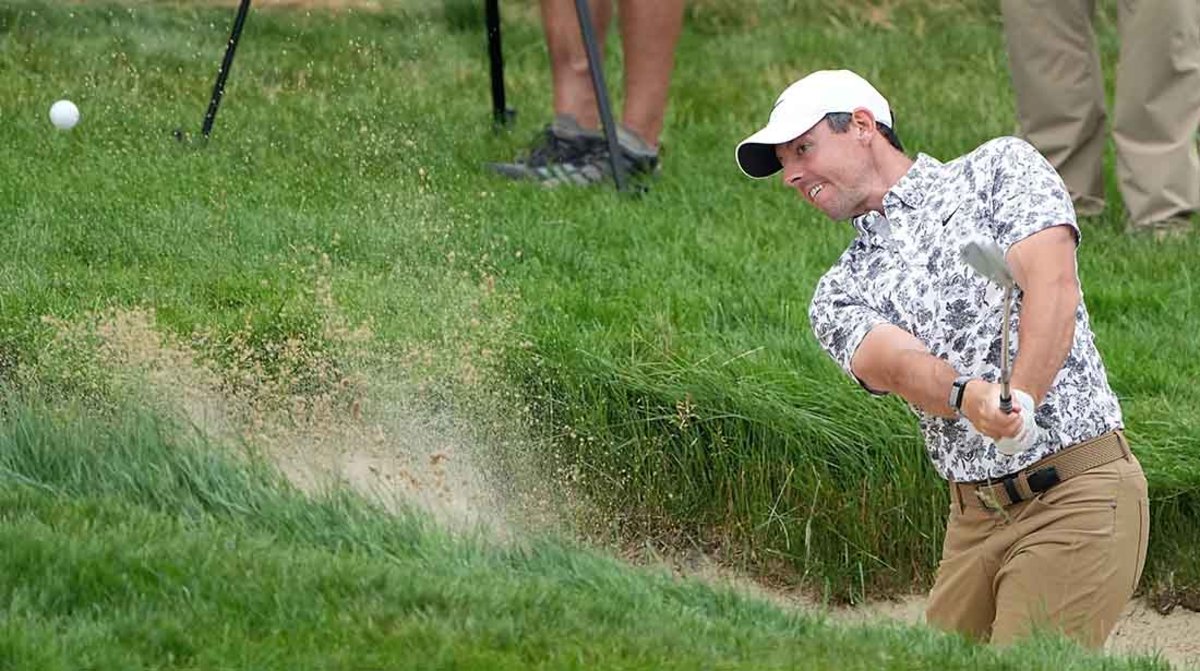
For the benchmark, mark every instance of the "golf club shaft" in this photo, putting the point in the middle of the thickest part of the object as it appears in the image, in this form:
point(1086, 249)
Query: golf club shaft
point(500, 113)
point(596, 66)
point(226, 63)
point(1005, 367)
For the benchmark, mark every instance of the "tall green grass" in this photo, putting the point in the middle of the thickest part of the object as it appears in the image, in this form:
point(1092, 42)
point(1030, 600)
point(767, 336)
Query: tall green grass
point(129, 547)
point(661, 342)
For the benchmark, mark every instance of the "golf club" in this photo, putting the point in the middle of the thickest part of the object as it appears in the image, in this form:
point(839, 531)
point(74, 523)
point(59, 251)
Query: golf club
point(596, 67)
point(986, 258)
point(502, 114)
point(214, 102)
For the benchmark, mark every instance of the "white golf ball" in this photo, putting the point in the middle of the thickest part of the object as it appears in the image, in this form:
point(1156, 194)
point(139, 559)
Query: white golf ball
point(64, 115)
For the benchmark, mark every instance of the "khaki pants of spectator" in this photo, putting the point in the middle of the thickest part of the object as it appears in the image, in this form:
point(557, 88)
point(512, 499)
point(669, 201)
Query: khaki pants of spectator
point(1066, 561)
point(1060, 99)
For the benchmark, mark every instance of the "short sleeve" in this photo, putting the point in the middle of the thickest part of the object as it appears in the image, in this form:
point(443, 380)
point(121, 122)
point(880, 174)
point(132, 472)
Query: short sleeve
point(1028, 195)
point(840, 317)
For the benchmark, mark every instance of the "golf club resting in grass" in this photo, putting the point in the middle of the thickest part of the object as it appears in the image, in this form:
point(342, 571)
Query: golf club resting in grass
point(1049, 532)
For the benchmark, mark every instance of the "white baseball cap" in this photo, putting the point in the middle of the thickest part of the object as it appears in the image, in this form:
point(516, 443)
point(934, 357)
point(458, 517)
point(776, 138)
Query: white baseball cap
point(800, 107)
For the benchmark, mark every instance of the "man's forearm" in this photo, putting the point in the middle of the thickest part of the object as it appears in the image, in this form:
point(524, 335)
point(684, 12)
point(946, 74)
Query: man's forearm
point(1046, 333)
point(923, 380)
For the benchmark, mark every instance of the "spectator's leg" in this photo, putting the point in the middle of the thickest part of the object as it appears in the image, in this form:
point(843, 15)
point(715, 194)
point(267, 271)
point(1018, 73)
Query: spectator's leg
point(1157, 108)
point(649, 32)
point(573, 93)
point(1059, 88)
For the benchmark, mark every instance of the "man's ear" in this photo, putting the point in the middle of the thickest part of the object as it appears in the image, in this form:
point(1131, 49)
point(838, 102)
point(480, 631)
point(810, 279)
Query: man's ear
point(864, 122)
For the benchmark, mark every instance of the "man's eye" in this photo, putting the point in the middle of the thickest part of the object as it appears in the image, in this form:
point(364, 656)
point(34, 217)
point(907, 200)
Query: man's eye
point(803, 148)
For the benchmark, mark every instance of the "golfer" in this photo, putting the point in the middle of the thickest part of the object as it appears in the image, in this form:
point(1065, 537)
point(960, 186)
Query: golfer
point(1048, 531)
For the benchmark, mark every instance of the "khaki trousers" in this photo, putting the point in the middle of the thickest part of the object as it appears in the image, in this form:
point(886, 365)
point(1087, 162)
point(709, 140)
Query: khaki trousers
point(1065, 561)
point(1059, 89)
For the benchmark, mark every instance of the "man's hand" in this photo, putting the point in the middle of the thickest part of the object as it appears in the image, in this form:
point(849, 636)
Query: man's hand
point(981, 407)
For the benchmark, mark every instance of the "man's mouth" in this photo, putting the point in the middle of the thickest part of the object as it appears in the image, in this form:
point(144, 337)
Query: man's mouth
point(812, 193)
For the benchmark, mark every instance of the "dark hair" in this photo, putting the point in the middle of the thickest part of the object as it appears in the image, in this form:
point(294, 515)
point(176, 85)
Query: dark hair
point(839, 122)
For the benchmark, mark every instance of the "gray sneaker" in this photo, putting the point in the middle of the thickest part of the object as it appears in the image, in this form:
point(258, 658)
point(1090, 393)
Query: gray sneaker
point(572, 155)
point(563, 143)
point(638, 160)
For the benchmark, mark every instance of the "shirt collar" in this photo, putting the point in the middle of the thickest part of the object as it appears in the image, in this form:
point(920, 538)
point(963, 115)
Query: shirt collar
point(870, 225)
point(915, 184)
point(910, 190)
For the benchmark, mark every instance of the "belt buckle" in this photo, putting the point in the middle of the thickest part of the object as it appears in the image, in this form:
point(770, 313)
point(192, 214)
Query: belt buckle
point(990, 501)
point(1043, 479)
point(1039, 481)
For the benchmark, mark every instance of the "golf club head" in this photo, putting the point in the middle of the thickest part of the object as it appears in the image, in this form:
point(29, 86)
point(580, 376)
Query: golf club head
point(986, 258)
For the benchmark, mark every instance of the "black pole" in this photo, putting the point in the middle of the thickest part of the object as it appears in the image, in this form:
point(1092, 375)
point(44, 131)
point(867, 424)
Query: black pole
point(596, 66)
point(226, 63)
point(501, 114)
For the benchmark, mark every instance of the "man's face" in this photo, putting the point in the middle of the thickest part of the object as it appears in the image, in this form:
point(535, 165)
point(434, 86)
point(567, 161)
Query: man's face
point(830, 170)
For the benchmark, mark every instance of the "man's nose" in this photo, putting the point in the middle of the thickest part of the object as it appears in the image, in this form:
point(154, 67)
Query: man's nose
point(792, 176)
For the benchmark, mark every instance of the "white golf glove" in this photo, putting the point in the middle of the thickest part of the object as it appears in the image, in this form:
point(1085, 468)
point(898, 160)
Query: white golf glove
point(1029, 432)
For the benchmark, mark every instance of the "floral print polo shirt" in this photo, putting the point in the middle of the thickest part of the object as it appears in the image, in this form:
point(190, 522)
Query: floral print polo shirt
point(905, 268)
